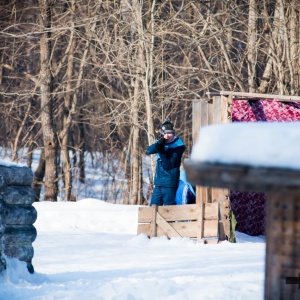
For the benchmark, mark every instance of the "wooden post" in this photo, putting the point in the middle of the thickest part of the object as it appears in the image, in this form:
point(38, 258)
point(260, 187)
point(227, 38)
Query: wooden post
point(153, 229)
point(200, 222)
point(206, 112)
point(283, 244)
point(200, 119)
point(283, 217)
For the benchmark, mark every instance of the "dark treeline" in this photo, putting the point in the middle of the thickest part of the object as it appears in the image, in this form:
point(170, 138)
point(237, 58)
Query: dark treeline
point(90, 76)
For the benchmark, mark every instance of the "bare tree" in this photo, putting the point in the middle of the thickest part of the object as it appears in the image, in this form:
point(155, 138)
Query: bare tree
point(49, 135)
point(98, 77)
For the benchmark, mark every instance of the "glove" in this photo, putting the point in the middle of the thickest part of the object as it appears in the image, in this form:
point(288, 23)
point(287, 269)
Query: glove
point(161, 140)
point(160, 144)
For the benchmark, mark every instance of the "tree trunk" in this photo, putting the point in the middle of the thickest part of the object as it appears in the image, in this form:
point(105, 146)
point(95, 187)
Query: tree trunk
point(135, 143)
point(39, 176)
point(278, 40)
point(81, 149)
point(294, 42)
point(252, 46)
point(268, 37)
point(20, 130)
point(49, 136)
point(71, 101)
point(135, 147)
point(148, 82)
point(66, 164)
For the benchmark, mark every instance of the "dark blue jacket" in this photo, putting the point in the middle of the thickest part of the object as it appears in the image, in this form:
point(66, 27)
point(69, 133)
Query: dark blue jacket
point(168, 162)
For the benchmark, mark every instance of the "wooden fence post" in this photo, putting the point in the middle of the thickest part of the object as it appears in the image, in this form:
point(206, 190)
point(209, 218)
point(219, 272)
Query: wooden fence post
point(282, 279)
point(200, 222)
point(153, 229)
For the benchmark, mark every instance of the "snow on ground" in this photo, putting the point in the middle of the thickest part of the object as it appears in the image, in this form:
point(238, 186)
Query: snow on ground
point(90, 250)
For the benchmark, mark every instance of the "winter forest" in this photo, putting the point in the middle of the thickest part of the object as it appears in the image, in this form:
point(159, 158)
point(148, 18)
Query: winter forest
point(95, 78)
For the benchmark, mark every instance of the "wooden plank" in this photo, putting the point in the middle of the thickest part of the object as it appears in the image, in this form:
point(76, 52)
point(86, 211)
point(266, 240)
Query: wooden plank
point(184, 229)
point(222, 217)
point(217, 115)
point(210, 112)
point(229, 176)
point(200, 194)
point(214, 195)
point(204, 114)
point(224, 209)
point(210, 228)
point(144, 214)
point(190, 229)
point(144, 228)
point(153, 228)
point(166, 227)
point(223, 109)
point(261, 96)
point(187, 212)
point(217, 110)
point(211, 211)
point(224, 222)
point(229, 109)
point(201, 118)
point(200, 222)
point(207, 197)
point(196, 120)
point(179, 212)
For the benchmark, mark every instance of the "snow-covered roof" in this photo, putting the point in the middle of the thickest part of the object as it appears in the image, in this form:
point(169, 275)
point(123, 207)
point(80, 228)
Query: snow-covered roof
point(259, 144)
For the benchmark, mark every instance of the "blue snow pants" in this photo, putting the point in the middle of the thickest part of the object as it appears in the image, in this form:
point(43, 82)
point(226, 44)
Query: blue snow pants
point(163, 196)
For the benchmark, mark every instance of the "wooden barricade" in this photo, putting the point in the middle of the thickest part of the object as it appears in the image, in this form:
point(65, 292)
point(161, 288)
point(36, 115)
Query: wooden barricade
point(197, 221)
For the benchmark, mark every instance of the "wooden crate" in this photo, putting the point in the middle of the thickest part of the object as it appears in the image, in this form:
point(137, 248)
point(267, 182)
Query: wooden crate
point(195, 221)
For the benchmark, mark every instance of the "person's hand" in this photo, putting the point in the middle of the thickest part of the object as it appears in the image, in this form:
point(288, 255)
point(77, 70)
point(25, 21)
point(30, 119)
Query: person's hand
point(161, 140)
point(160, 144)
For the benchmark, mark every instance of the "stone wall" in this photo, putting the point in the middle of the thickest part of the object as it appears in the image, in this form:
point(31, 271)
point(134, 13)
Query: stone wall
point(17, 215)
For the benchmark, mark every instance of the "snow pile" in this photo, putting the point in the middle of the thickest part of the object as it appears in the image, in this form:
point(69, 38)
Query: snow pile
point(89, 250)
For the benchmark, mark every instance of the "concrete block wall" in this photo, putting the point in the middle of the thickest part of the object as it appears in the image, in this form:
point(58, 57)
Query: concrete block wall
point(17, 215)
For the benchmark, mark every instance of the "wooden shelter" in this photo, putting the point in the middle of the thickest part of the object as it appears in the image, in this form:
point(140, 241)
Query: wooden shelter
point(282, 268)
point(197, 221)
point(218, 108)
